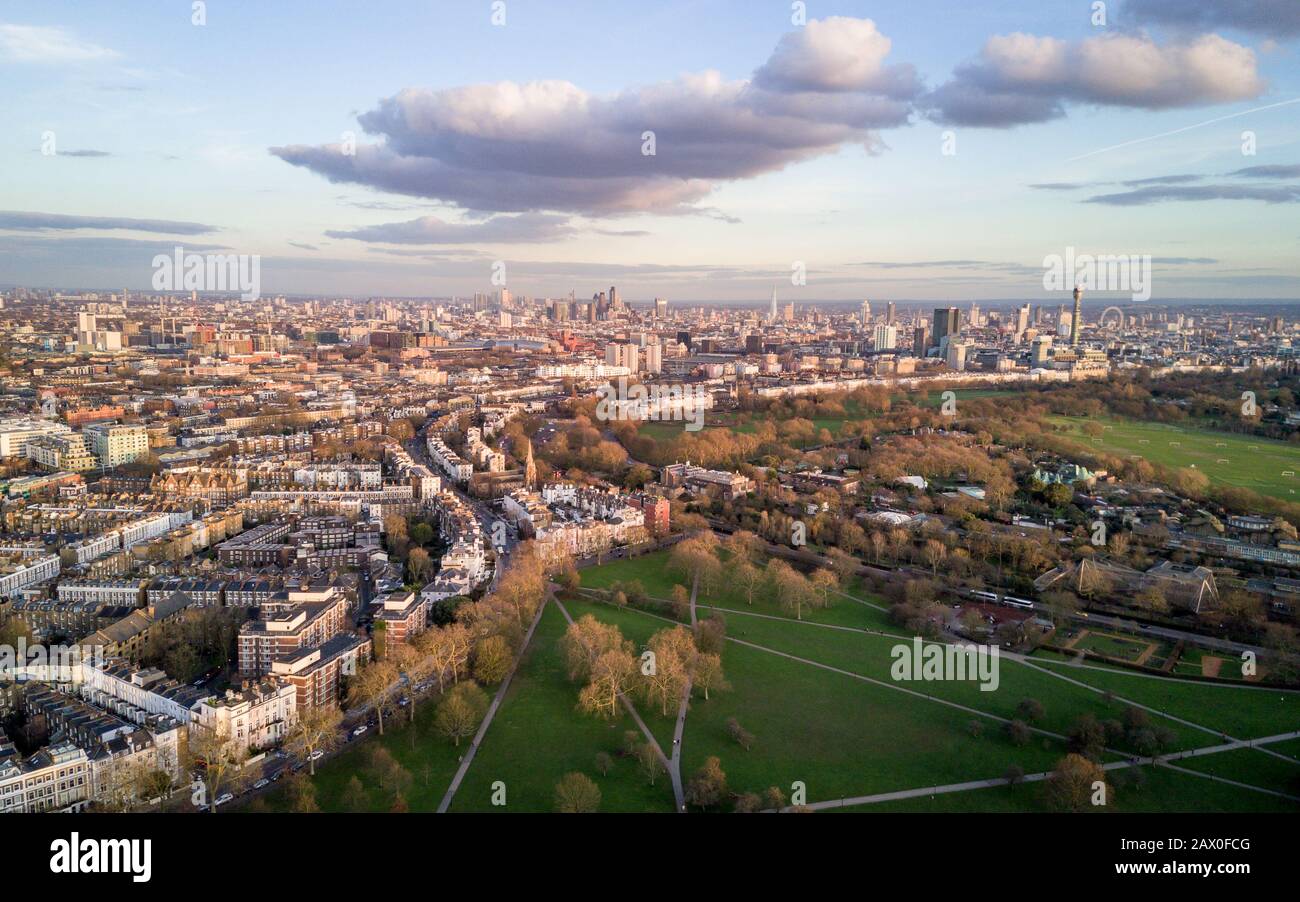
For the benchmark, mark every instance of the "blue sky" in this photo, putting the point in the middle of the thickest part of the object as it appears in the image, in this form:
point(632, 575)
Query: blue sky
point(821, 144)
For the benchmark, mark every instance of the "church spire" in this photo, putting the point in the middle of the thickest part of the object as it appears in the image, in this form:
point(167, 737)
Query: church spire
point(530, 468)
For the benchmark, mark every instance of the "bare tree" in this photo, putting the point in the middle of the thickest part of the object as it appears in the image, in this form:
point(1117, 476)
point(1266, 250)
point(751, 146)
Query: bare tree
point(460, 711)
point(577, 794)
point(373, 686)
point(315, 730)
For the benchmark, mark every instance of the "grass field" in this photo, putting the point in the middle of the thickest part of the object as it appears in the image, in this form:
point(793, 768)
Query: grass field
point(1243, 461)
point(838, 735)
point(870, 656)
point(538, 736)
point(428, 757)
point(1250, 766)
point(1241, 712)
point(651, 570)
point(1124, 648)
point(1163, 790)
point(1198, 662)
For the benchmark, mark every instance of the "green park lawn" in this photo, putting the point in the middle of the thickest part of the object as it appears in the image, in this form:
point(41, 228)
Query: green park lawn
point(1162, 790)
point(1189, 664)
point(1236, 460)
point(1239, 711)
point(1123, 648)
point(538, 736)
point(1063, 703)
point(843, 735)
point(839, 735)
point(653, 573)
point(1250, 766)
point(428, 757)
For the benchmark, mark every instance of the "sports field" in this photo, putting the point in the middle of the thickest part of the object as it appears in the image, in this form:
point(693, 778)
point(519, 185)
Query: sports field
point(1262, 465)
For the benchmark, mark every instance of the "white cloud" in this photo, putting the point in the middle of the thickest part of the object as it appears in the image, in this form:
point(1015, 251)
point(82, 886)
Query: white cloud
point(1021, 78)
point(36, 44)
point(550, 145)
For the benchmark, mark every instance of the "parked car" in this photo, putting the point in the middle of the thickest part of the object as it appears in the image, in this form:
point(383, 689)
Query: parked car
point(359, 730)
point(316, 755)
point(262, 783)
point(224, 798)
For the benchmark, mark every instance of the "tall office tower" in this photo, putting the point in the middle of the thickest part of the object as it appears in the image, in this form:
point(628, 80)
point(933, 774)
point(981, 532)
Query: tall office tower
point(1022, 321)
point(947, 323)
point(866, 312)
point(661, 308)
point(653, 358)
point(771, 314)
point(956, 357)
point(622, 354)
point(788, 313)
point(885, 338)
point(1077, 319)
point(974, 316)
point(613, 298)
point(920, 339)
point(891, 314)
point(1041, 350)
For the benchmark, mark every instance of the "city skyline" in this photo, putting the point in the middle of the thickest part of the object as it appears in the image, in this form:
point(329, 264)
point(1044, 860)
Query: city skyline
point(783, 152)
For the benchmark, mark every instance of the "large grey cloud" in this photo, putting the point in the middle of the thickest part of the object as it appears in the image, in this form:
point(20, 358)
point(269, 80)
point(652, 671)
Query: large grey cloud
point(29, 221)
point(550, 145)
point(1274, 171)
point(1022, 78)
point(1276, 18)
point(1271, 194)
point(1179, 187)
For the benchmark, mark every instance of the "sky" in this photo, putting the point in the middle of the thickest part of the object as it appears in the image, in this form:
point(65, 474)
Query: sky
point(700, 151)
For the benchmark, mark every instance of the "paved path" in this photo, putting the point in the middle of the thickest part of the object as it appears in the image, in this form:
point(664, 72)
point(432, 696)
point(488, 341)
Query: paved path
point(825, 626)
point(1159, 760)
point(645, 730)
point(1078, 661)
point(888, 685)
point(1120, 698)
point(861, 601)
point(675, 764)
point(468, 757)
